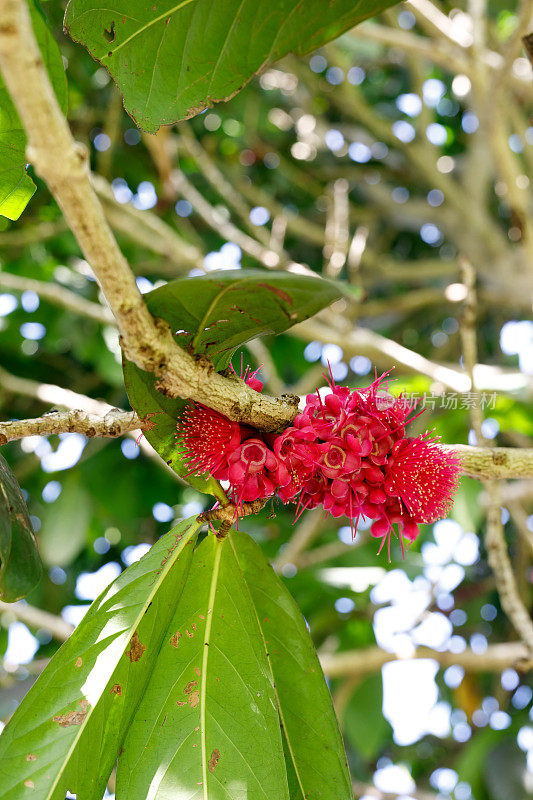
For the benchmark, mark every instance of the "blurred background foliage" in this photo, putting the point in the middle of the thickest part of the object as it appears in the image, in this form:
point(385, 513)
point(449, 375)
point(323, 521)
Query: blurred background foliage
point(385, 159)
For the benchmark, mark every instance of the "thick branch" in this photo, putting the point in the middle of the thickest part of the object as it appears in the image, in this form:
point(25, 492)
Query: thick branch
point(494, 462)
point(114, 423)
point(63, 165)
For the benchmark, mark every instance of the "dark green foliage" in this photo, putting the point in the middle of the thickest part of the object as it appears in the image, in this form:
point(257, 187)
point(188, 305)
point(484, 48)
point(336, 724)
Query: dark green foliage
point(20, 566)
point(171, 61)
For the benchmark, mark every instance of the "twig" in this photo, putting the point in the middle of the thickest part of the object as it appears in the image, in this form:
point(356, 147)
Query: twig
point(263, 358)
point(327, 552)
point(31, 234)
point(115, 423)
point(304, 534)
point(437, 52)
point(147, 229)
point(51, 395)
point(221, 225)
point(59, 296)
point(500, 563)
point(386, 353)
point(63, 165)
point(520, 518)
point(337, 230)
point(496, 657)
point(436, 22)
point(37, 618)
point(66, 398)
point(218, 181)
point(356, 251)
point(497, 553)
point(228, 514)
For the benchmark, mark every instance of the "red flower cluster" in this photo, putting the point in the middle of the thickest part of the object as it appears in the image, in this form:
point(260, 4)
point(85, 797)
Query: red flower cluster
point(347, 452)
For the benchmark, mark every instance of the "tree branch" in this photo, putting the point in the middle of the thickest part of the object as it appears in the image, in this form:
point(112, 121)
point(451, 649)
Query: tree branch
point(58, 296)
point(496, 657)
point(63, 165)
point(147, 229)
point(66, 398)
point(37, 618)
point(386, 353)
point(115, 423)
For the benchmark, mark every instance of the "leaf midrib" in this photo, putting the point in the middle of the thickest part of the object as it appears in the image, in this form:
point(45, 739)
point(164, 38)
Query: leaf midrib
point(267, 654)
point(149, 24)
point(205, 656)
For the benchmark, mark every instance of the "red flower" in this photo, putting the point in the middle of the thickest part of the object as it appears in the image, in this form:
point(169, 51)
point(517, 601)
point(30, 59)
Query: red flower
point(347, 452)
point(423, 476)
point(206, 440)
point(252, 471)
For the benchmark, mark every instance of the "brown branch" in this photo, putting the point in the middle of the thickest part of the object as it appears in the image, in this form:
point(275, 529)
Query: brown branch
point(115, 423)
point(37, 618)
point(228, 514)
point(303, 536)
point(497, 552)
point(63, 165)
point(58, 295)
point(496, 657)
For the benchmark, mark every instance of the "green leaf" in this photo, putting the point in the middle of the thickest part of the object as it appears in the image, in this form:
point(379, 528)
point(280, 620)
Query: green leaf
point(66, 734)
point(20, 566)
point(216, 313)
point(213, 315)
point(207, 726)
point(16, 187)
point(366, 728)
point(313, 741)
point(172, 60)
point(65, 523)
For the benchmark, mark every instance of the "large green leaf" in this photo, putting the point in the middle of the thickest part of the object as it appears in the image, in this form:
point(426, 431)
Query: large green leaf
point(216, 313)
point(314, 748)
point(207, 726)
point(20, 566)
point(66, 734)
point(213, 315)
point(16, 187)
point(171, 60)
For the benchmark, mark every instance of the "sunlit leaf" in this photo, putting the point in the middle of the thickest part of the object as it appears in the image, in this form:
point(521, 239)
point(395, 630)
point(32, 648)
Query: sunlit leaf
point(207, 726)
point(67, 733)
point(313, 741)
